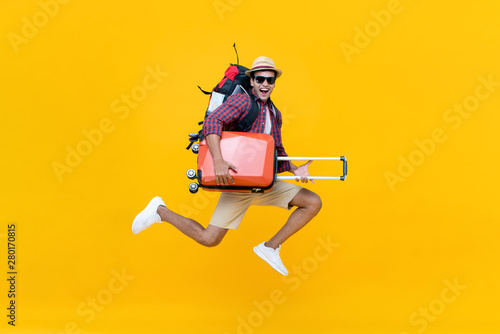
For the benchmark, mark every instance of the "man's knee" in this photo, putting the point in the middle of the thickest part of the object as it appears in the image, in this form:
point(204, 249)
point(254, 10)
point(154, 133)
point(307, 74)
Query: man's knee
point(211, 241)
point(315, 202)
point(212, 238)
point(308, 200)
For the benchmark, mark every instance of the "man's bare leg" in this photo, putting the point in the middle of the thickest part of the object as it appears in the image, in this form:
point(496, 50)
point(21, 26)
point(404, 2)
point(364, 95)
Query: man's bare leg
point(210, 236)
point(308, 205)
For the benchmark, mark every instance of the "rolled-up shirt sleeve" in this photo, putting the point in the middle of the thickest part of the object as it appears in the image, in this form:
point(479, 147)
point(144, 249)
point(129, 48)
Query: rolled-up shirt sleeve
point(283, 166)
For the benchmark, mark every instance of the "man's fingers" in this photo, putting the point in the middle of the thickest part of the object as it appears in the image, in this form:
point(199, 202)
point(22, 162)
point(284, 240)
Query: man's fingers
point(229, 179)
point(222, 176)
point(220, 181)
point(231, 166)
point(224, 180)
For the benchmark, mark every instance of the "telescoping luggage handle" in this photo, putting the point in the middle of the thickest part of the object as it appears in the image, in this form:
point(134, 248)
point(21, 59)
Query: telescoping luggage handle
point(341, 178)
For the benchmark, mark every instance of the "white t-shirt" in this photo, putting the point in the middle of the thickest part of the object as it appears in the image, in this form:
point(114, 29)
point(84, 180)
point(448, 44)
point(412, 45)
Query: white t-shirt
point(268, 127)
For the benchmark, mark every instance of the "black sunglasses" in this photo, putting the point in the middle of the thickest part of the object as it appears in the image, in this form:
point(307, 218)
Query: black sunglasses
point(270, 80)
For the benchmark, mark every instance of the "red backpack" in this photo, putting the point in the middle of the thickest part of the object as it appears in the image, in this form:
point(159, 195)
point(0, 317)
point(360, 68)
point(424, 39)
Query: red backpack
point(235, 81)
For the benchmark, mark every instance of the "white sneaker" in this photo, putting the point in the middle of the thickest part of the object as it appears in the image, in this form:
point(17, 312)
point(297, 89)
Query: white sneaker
point(271, 256)
point(148, 216)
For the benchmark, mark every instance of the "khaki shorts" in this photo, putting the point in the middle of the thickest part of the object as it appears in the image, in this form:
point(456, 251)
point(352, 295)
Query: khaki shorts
point(232, 206)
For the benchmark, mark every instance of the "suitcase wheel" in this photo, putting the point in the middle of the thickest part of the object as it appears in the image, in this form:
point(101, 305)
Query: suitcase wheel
point(193, 187)
point(195, 148)
point(191, 174)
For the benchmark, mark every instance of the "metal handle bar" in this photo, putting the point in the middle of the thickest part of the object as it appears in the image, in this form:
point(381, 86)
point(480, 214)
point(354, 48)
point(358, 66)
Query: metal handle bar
point(310, 177)
point(342, 178)
point(309, 158)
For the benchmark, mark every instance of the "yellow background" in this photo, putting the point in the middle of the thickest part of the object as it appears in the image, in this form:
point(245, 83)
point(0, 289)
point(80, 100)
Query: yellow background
point(396, 248)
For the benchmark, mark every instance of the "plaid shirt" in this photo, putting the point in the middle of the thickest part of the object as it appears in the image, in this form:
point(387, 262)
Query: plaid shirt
point(227, 116)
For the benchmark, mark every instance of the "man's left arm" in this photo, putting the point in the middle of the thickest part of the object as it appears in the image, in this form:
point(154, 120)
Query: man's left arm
point(300, 171)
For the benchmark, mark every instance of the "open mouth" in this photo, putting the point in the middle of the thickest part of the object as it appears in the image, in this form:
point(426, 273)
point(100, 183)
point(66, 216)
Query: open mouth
point(264, 91)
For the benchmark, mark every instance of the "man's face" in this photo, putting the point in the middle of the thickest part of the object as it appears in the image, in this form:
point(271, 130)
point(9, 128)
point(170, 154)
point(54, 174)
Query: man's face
point(263, 89)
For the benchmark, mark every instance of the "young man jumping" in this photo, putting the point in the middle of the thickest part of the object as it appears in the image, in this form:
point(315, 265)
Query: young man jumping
point(232, 206)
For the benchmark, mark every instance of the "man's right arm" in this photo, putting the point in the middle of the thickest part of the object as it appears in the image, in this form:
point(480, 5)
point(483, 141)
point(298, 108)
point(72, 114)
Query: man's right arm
point(221, 167)
point(213, 125)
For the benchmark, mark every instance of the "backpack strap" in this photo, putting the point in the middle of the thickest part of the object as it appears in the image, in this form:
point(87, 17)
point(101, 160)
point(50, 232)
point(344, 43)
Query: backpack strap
point(204, 91)
point(246, 123)
point(276, 113)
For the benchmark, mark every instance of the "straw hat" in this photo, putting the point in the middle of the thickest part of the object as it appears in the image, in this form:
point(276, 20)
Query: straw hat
point(264, 64)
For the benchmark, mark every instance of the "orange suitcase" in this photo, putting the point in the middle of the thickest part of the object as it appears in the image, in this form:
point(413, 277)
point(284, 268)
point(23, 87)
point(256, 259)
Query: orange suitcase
point(254, 156)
